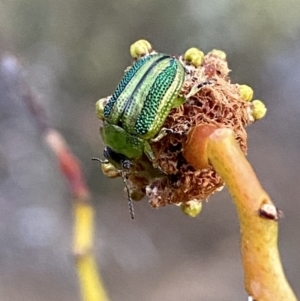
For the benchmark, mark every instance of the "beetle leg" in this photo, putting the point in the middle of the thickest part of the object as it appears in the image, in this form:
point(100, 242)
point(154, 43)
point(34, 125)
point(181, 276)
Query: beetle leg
point(196, 88)
point(178, 102)
point(148, 151)
point(163, 132)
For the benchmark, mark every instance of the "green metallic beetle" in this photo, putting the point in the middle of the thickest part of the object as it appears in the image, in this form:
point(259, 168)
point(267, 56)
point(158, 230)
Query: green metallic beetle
point(136, 111)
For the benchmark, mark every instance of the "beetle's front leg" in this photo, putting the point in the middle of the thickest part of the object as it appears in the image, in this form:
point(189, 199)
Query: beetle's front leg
point(149, 153)
point(196, 88)
point(163, 132)
point(178, 102)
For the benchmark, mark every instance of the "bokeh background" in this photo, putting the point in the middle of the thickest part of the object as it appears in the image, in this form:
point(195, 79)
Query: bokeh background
point(74, 52)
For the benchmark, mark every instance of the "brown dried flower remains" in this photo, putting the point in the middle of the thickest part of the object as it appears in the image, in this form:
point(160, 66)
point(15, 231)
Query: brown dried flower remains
point(218, 103)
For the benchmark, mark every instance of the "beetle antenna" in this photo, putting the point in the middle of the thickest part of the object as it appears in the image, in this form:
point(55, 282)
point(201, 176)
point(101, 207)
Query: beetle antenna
point(99, 160)
point(195, 89)
point(130, 204)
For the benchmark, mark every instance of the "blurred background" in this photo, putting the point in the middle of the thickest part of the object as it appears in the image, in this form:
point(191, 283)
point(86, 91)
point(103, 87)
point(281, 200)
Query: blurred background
point(74, 52)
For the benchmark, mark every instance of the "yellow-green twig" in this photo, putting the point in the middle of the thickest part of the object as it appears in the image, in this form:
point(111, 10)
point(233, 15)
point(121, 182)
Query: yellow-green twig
point(264, 276)
point(91, 286)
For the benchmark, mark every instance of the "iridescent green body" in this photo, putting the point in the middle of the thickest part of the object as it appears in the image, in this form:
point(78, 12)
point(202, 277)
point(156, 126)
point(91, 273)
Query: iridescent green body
point(140, 104)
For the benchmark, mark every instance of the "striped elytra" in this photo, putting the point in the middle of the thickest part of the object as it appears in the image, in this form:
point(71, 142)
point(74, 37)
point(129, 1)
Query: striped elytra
point(145, 95)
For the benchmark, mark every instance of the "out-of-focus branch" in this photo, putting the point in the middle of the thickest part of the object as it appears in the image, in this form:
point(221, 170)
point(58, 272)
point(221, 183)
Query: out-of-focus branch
point(89, 279)
point(91, 285)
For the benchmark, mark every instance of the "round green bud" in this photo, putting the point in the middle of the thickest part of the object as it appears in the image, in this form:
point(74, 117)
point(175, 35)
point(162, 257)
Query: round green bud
point(219, 53)
point(259, 109)
point(194, 56)
point(246, 92)
point(140, 48)
point(191, 208)
point(100, 108)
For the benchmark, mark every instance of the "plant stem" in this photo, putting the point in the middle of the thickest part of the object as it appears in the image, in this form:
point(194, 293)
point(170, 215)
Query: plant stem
point(91, 284)
point(264, 275)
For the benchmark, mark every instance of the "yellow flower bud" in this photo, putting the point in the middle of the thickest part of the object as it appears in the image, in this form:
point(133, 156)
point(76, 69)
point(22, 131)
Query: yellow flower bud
point(246, 92)
point(100, 108)
point(191, 208)
point(194, 56)
point(219, 53)
point(109, 170)
point(140, 48)
point(259, 110)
